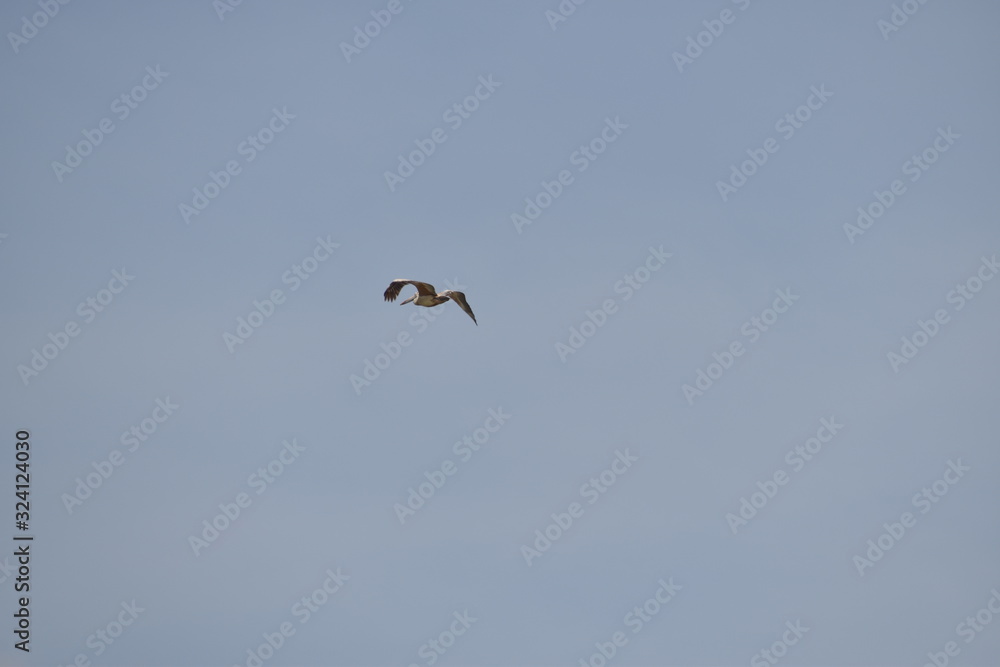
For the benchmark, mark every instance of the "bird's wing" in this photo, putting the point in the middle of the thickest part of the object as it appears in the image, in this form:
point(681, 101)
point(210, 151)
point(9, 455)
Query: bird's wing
point(392, 291)
point(459, 298)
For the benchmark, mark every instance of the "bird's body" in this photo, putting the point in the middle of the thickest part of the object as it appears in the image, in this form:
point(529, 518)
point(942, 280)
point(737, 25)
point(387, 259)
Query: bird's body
point(427, 296)
point(424, 300)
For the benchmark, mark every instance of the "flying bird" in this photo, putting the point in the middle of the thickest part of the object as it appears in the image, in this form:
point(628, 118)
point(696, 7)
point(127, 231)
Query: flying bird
point(427, 296)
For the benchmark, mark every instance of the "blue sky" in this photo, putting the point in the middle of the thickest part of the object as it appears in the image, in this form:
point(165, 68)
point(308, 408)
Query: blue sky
point(698, 387)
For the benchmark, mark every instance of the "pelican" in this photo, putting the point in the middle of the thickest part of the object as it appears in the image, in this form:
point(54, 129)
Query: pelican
point(427, 296)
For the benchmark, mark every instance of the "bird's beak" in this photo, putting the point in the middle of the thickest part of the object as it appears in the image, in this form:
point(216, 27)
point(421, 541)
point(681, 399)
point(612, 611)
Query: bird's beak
point(409, 300)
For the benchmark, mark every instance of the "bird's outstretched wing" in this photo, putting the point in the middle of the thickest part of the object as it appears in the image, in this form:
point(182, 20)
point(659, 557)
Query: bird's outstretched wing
point(459, 298)
point(423, 289)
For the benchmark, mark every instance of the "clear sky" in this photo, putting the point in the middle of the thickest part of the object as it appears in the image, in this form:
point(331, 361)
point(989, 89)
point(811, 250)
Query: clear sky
point(731, 399)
